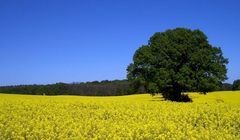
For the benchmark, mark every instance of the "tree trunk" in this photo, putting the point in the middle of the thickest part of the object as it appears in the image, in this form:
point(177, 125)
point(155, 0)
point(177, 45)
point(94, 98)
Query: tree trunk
point(175, 94)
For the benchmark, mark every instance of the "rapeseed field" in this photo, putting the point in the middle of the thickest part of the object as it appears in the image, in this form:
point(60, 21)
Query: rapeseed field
point(215, 116)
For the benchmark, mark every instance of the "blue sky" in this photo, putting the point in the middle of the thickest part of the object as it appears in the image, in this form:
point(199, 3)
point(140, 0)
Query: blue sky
point(49, 41)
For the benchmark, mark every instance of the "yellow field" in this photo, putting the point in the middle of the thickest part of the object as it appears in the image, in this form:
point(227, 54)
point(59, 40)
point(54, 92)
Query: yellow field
point(214, 116)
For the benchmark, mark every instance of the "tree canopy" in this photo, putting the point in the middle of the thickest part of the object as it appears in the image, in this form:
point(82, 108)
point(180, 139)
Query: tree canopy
point(176, 61)
point(95, 88)
point(236, 85)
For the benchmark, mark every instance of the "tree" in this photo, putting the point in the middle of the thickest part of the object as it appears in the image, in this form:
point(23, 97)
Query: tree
point(236, 85)
point(176, 61)
point(225, 87)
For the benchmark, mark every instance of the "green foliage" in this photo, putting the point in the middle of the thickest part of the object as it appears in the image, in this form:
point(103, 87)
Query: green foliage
point(178, 60)
point(225, 87)
point(95, 88)
point(236, 85)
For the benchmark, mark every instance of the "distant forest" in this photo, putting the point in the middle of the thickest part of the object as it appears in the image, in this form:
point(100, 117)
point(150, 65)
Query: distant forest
point(94, 88)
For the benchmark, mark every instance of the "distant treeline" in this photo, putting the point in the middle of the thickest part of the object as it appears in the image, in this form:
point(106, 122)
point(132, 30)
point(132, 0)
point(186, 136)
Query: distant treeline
point(95, 88)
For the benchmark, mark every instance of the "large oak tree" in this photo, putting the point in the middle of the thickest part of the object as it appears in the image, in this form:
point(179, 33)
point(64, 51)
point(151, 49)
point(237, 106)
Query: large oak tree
point(176, 61)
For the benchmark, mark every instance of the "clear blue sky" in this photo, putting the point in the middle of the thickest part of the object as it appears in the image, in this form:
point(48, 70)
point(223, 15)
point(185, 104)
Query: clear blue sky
point(49, 41)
